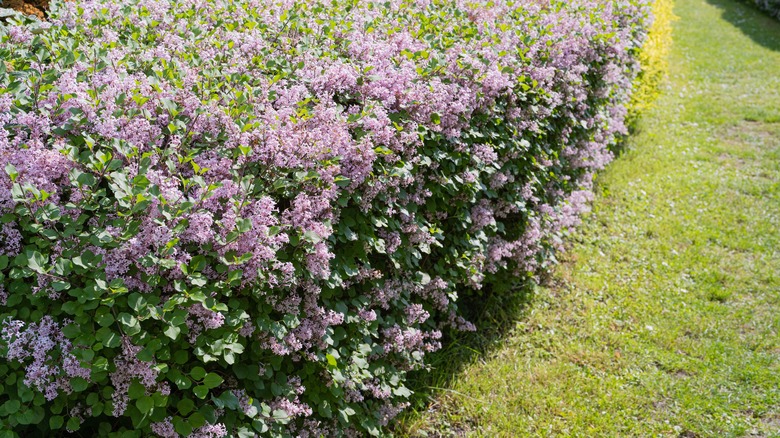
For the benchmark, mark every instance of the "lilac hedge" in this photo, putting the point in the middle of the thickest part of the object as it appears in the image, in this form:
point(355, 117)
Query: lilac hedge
point(229, 218)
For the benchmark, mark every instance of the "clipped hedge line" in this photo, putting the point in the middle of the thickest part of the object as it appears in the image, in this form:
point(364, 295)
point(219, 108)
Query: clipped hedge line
point(229, 218)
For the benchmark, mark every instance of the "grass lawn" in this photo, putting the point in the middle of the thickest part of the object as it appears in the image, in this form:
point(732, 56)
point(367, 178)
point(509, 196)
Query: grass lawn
point(664, 317)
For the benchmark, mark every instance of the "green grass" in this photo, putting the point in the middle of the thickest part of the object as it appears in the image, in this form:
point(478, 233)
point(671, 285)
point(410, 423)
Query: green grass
point(664, 317)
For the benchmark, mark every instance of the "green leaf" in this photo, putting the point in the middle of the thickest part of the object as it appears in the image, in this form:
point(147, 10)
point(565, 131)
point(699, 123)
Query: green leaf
point(136, 301)
point(136, 390)
point(228, 399)
point(325, 409)
point(25, 416)
point(60, 285)
point(172, 332)
point(108, 338)
point(11, 171)
point(130, 323)
point(185, 406)
point(92, 399)
point(71, 331)
point(181, 357)
point(244, 432)
point(12, 406)
point(260, 426)
point(117, 285)
point(105, 319)
point(212, 380)
point(197, 419)
point(100, 364)
point(74, 424)
point(311, 236)
point(181, 381)
point(56, 422)
point(36, 261)
point(201, 391)
point(86, 179)
point(79, 384)
point(402, 391)
point(182, 426)
point(178, 317)
point(62, 267)
point(198, 373)
point(145, 404)
point(145, 355)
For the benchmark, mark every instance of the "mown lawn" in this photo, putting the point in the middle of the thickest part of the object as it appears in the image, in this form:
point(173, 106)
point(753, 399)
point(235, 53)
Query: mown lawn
point(664, 317)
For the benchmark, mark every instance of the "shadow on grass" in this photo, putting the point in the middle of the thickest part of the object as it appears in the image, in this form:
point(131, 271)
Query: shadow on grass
point(753, 22)
point(495, 315)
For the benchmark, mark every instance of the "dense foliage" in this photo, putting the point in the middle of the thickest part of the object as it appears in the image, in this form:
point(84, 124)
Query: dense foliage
point(239, 217)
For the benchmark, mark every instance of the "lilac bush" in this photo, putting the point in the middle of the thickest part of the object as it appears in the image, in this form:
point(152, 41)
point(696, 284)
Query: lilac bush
point(240, 218)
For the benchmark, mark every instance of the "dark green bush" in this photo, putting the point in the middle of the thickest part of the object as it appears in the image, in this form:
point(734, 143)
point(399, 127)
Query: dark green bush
point(771, 6)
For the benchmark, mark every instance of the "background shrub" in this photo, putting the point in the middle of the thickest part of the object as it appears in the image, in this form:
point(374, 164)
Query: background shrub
point(771, 6)
point(235, 217)
point(653, 58)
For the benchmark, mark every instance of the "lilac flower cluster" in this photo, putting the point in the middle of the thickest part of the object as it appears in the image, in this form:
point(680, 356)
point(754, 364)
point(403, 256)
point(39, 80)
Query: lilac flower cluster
point(52, 365)
point(249, 217)
point(128, 368)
